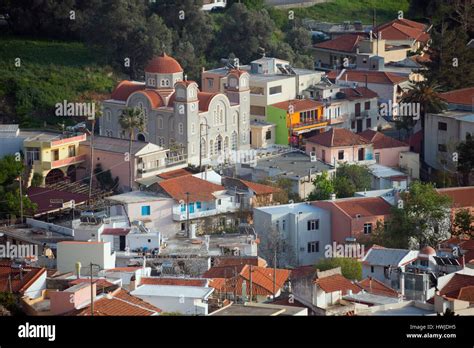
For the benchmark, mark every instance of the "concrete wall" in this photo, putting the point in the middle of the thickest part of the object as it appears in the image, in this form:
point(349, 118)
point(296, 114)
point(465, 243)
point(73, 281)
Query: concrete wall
point(50, 227)
point(68, 253)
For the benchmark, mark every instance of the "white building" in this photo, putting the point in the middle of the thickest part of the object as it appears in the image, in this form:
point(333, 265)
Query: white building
point(71, 252)
point(306, 230)
point(188, 300)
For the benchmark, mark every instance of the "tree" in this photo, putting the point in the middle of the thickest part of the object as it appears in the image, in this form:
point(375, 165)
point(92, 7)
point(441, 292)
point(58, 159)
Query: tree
point(285, 192)
point(350, 268)
point(323, 187)
point(125, 33)
point(466, 158)
point(275, 247)
point(351, 178)
point(234, 37)
point(463, 224)
point(420, 217)
point(97, 115)
point(131, 120)
point(105, 179)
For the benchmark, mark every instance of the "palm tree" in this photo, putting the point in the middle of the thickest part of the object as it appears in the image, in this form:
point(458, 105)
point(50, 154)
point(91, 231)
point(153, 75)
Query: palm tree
point(426, 94)
point(131, 119)
point(96, 116)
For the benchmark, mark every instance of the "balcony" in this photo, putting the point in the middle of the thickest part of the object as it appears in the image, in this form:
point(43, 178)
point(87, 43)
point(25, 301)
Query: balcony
point(63, 162)
point(179, 215)
point(309, 125)
point(178, 161)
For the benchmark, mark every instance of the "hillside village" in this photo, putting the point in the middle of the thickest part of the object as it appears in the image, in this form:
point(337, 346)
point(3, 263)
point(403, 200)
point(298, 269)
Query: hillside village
point(259, 188)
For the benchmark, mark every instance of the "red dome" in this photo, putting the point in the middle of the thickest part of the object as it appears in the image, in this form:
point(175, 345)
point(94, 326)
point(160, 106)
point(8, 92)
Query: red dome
point(427, 250)
point(163, 64)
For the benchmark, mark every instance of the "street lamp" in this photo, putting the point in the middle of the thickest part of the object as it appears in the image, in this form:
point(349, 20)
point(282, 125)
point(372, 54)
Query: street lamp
point(187, 214)
point(92, 288)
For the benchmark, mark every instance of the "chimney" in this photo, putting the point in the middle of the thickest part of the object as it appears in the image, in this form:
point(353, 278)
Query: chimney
point(332, 197)
point(78, 269)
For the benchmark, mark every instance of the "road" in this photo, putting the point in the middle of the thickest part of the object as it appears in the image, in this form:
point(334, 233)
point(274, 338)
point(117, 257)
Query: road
point(293, 3)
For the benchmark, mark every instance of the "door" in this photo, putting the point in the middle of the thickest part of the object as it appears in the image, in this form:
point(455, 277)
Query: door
point(357, 109)
point(361, 154)
point(122, 243)
point(359, 126)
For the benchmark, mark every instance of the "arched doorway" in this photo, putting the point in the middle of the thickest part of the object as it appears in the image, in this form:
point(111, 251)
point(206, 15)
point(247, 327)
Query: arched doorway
point(72, 173)
point(54, 176)
point(140, 137)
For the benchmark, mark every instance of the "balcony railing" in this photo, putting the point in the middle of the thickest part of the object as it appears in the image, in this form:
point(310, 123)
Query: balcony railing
point(169, 162)
point(310, 124)
point(182, 215)
point(63, 162)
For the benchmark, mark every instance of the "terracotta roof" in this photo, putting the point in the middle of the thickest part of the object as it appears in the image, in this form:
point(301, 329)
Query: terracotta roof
point(454, 286)
point(116, 231)
point(163, 64)
point(125, 88)
point(198, 189)
point(343, 43)
point(298, 105)
point(259, 189)
point(337, 282)
point(378, 77)
point(336, 137)
point(100, 283)
point(205, 99)
point(303, 272)
point(365, 206)
point(154, 98)
point(262, 281)
point(402, 29)
point(359, 93)
point(122, 303)
point(19, 284)
point(380, 140)
point(43, 196)
point(226, 261)
point(467, 294)
point(173, 281)
point(462, 197)
point(237, 72)
point(376, 287)
point(174, 173)
point(464, 96)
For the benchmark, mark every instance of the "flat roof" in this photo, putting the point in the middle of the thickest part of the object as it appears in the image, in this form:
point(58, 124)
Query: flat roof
point(122, 145)
point(289, 208)
point(260, 309)
point(137, 197)
point(292, 164)
point(173, 291)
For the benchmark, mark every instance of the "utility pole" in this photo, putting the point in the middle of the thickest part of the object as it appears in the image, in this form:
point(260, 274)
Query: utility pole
point(251, 292)
point(187, 214)
point(274, 272)
point(21, 199)
point(92, 295)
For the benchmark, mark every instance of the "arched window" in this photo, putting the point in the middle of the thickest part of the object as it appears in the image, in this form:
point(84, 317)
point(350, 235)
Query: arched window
point(140, 137)
point(161, 141)
point(193, 128)
point(211, 147)
point(216, 117)
point(218, 144)
point(108, 115)
point(234, 141)
point(221, 115)
point(160, 122)
point(234, 118)
point(203, 148)
point(226, 143)
point(180, 128)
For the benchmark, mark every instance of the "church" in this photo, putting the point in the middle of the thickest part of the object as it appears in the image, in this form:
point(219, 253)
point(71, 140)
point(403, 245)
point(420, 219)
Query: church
point(178, 116)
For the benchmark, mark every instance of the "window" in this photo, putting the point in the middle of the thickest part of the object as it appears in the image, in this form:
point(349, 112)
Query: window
point(151, 81)
point(234, 141)
point(277, 225)
point(353, 124)
point(55, 155)
point(146, 211)
point(198, 205)
point(377, 157)
point(313, 225)
point(268, 134)
point(442, 148)
point(275, 90)
point(183, 208)
point(160, 122)
point(210, 83)
point(180, 128)
point(193, 128)
point(340, 155)
point(108, 115)
point(367, 105)
point(283, 225)
point(371, 269)
point(442, 126)
point(219, 201)
point(368, 228)
point(368, 122)
point(72, 151)
point(313, 247)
